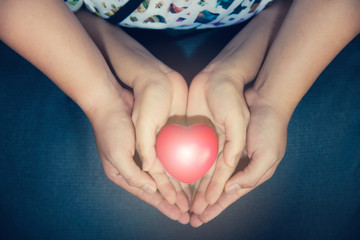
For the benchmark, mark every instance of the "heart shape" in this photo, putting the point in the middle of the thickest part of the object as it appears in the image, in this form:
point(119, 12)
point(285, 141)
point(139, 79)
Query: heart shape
point(187, 153)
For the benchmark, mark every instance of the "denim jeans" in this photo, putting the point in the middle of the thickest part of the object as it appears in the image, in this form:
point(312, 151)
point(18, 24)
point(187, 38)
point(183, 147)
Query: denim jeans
point(52, 185)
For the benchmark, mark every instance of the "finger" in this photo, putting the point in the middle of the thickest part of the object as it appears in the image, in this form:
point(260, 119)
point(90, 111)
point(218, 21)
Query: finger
point(235, 134)
point(187, 190)
point(146, 132)
point(163, 182)
point(199, 202)
point(258, 166)
point(155, 199)
point(184, 218)
point(182, 201)
point(150, 113)
point(221, 175)
point(123, 161)
point(226, 200)
point(195, 221)
point(229, 110)
point(193, 190)
point(196, 104)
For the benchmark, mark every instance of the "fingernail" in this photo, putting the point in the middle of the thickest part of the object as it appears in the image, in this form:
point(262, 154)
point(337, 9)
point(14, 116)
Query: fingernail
point(149, 188)
point(233, 189)
point(145, 166)
point(231, 162)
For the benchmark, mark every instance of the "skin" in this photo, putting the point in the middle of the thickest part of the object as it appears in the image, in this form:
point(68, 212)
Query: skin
point(158, 91)
point(218, 93)
point(112, 111)
point(315, 38)
point(252, 125)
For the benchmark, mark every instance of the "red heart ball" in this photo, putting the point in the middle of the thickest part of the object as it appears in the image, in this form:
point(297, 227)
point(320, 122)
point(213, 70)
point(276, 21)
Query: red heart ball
point(187, 153)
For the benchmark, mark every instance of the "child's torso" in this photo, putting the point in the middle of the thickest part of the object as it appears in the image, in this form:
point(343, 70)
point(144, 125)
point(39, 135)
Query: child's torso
point(177, 14)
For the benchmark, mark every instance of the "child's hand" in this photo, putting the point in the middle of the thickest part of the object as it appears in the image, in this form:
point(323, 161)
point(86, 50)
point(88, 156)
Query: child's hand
point(115, 139)
point(159, 96)
point(219, 97)
point(266, 144)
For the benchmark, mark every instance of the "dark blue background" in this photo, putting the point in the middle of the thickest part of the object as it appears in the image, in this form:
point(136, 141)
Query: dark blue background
point(52, 185)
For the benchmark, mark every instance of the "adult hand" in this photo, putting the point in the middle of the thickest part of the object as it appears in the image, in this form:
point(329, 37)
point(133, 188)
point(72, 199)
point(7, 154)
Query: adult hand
point(115, 139)
point(266, 144)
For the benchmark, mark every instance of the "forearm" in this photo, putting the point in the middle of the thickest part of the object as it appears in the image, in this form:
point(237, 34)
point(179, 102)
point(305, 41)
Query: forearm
point(244, 54)
point(48, 35)
point(312, 34)
point(129, 59)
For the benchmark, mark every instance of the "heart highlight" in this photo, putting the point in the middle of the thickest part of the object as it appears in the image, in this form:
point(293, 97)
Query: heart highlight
point(187, 153)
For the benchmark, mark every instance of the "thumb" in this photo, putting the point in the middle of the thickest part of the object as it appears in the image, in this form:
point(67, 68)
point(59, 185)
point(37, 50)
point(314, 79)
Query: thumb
point(235, 123)
point(258, 166)
point(235, 138)
point(145, 142)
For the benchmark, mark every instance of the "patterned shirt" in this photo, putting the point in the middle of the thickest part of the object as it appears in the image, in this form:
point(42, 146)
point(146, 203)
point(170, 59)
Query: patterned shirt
point(176, 14)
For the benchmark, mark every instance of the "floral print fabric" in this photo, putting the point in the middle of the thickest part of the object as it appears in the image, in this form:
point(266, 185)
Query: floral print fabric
point(177, 14)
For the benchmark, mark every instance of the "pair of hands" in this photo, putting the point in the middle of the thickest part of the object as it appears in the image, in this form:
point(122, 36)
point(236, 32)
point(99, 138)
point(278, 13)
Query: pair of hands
point(244, 123)
point(252, 139)
point(240, 121)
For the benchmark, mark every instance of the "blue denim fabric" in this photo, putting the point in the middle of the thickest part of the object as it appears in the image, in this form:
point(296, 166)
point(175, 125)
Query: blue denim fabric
point(52, 185)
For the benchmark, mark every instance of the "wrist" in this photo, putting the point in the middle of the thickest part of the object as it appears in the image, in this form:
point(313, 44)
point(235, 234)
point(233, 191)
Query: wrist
point(229, 69)
point(256, 99)
point(105, 93)
point(245, 53)
point(164, 79)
